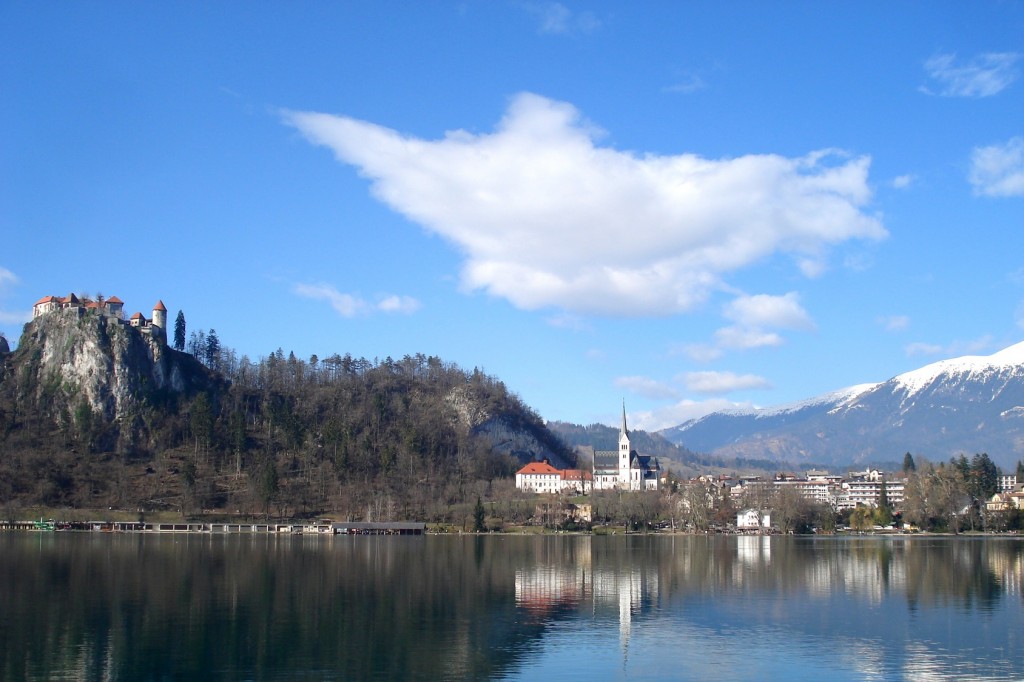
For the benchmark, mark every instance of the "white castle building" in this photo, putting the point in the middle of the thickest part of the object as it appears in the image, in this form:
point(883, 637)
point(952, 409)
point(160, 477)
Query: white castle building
point(625, 469)
point(112, 307)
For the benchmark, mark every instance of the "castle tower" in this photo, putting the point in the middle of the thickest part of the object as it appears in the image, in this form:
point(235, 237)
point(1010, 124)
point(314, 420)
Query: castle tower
point(624, 448)
point(160, 315)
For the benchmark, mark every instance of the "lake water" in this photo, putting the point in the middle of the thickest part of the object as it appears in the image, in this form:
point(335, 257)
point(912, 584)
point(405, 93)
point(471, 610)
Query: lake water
point(137, 607)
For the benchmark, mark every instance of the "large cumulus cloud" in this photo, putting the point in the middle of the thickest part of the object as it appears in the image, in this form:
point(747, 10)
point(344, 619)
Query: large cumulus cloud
point(547, 217)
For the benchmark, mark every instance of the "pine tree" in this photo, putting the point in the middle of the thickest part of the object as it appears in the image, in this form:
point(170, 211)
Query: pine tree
point(179, 331)
point(212, 350)
point(478, 516)
point(908, 463)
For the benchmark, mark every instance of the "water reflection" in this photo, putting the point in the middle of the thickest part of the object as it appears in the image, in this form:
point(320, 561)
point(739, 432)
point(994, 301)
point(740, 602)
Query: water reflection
point(145, 607)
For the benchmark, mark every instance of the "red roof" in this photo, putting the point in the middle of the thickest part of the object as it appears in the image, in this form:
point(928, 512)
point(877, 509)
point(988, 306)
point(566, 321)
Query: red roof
point(576, 475)
point(115, 299)
point(138, 316)
point(538, 468)
point(47, 299)
point(160, 306)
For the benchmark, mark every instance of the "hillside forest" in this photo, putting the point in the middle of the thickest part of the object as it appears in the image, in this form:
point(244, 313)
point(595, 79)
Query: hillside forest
point(414, 438)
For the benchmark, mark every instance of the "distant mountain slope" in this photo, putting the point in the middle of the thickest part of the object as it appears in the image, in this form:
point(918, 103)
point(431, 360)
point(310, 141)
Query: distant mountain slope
point(964, 405)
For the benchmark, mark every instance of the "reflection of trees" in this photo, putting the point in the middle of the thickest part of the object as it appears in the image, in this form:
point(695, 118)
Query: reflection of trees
point(137, 607)
point(972, 573)
point(143, 607)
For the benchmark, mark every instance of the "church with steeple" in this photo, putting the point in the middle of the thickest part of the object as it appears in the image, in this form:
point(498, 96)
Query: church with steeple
point(625, 468)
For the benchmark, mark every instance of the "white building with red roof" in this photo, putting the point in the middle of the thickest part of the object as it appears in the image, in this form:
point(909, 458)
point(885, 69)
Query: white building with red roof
point(112, 307)
point(541, 477)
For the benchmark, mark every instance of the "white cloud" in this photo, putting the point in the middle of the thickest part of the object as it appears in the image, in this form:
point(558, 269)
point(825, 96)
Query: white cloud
point(689, 83)
point(739, 338)
point(998, 170)
point(557, 19)
point(683, 411)
point(547, 218)
point(348, 305)
point(985, 75)
point(955, 349)
point(764, 310)
point(723, 382)
point(649, 388)
point(903, 181)
point(894, 323)
point(8, 280)
point(922, 348)
point(568, 321)
point(15, 317)
point(756, 317)
point(398, 304)
point(698, 352)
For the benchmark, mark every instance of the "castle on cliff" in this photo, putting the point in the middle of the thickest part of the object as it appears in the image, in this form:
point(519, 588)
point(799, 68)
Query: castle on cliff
point(112, 308)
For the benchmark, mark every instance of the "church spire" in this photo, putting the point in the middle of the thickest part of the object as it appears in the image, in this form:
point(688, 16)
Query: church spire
point(625, 431)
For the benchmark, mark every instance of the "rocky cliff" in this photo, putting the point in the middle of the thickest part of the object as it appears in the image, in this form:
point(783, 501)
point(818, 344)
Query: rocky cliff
point(70, 363)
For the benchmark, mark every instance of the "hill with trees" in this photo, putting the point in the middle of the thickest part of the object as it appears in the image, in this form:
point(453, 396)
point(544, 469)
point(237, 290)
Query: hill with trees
point(96, 414)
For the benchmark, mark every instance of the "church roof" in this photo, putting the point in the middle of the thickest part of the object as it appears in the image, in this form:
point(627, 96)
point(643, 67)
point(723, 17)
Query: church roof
point(606, 459)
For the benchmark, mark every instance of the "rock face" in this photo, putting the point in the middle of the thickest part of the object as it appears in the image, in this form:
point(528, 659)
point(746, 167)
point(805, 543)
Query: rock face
point(510, 432)
point(964, 405)
point(68, 359)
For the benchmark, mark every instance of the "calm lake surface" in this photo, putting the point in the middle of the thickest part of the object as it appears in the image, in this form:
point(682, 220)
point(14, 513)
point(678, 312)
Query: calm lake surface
point(136, 607)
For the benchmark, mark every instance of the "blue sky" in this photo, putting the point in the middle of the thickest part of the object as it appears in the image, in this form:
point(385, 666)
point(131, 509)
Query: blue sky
point(683, 205)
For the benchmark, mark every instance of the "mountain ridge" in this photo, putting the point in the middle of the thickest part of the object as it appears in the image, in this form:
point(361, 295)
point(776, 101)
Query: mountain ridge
point(962, 405)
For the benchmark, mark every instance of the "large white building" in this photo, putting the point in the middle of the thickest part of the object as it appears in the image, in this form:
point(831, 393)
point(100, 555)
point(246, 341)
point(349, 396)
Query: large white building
point(541, 477)
point(625, 469)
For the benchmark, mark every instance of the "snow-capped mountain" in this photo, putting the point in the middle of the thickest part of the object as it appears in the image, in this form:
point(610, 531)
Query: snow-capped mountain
point(965, 405)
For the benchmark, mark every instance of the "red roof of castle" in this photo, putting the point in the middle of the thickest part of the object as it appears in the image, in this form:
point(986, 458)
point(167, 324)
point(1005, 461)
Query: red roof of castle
point(47, 299)
point(114, 299)
point(137, 316)
point(160, 306)
point(538, 468)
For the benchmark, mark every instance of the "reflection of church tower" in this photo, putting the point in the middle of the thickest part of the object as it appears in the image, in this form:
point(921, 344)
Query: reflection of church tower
point(624, 448)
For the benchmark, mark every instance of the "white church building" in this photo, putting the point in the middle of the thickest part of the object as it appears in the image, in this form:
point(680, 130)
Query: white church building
point(625, 469)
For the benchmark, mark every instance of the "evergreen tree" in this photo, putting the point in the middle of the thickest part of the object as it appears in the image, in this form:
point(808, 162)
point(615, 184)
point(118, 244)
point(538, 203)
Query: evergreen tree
point(908, 463)
point(983, 481)
point(1020, 471)
point(212, 350)
point(179, 331)
point(478, 516)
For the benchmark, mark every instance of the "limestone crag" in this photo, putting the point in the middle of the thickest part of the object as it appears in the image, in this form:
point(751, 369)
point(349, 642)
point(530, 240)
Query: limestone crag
point(70, 357)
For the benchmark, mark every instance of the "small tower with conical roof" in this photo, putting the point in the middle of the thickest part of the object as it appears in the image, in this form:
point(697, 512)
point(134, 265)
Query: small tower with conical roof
point(160, 315)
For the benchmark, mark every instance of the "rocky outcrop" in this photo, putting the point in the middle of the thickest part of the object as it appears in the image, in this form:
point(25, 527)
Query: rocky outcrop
point(70, 359)
point(509, 431)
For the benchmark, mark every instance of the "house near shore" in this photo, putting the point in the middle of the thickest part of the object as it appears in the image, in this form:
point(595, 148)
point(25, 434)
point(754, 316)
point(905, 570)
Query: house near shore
point(751, 519)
